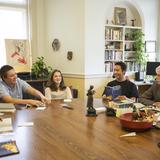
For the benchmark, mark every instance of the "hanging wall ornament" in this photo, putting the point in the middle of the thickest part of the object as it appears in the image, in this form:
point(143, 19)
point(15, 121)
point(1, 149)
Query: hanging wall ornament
point(56, 44)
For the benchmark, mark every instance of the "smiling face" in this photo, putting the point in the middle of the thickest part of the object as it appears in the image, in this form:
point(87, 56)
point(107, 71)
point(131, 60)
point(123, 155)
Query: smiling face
point(57, 78)
point(10, 77)
point(118, 72)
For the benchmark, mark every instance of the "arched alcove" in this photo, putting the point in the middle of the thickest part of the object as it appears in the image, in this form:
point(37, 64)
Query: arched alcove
point(133, 11)
point(119, 37)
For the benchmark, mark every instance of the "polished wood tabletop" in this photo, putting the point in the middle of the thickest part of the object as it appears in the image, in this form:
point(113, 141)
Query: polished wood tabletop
point(68, 134)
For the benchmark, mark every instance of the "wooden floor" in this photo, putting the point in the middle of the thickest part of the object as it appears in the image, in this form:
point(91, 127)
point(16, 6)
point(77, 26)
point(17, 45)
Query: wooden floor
point(64, 134)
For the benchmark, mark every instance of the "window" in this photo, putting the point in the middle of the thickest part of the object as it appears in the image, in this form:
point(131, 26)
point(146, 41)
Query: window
point(14, 25)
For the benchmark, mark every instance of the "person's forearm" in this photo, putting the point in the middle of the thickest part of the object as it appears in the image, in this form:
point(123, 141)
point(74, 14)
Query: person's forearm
point(35, 93)
point(18, 101)
point(39, 94)
point(146, 101)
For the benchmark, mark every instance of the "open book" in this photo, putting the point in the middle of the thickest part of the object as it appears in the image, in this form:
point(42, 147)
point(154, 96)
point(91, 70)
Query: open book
point(114, 91)
point(6, 125)
point(7, 107)
point(8, 148)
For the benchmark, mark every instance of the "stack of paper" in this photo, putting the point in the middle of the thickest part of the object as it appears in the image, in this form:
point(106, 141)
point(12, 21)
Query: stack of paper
point(26, 124)
point(100, 109)
point(6, 125)
point(7, 107)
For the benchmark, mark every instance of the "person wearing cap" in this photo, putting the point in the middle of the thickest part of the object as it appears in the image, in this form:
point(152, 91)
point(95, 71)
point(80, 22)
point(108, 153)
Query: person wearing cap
point(12, 88)
point(152, 95)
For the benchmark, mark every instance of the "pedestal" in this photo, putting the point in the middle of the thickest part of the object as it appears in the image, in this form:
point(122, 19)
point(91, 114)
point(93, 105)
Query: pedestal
point(91, 112)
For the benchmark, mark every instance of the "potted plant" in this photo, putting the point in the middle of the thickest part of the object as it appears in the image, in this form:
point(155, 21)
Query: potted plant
point(140, 55)
point(40, 68)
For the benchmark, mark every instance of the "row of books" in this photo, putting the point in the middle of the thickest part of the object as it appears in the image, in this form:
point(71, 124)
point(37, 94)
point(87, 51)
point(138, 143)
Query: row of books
point(129, 55)
point(114, 45)
point(109, 66)
point(113, 55)
point(113, 34)
point(131, 66)
point(129, 47)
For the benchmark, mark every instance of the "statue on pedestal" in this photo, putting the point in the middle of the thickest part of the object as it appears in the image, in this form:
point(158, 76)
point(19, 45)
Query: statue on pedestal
point(90, 111)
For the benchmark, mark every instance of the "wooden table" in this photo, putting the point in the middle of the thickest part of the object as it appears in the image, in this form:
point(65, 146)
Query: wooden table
point(63, 134)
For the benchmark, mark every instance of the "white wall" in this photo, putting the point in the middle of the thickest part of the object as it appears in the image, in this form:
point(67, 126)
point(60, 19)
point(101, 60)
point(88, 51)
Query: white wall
point(158, 31)
point(79, 25)
point(37, 28)
point(64, 19)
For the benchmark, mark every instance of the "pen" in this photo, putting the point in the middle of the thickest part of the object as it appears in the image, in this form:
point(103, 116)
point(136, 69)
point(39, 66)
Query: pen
point(68, 107)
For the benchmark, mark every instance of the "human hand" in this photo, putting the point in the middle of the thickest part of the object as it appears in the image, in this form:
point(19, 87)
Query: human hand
point(121, 98)
point(157, 104)
point(35, 103)
point(106, 99)
point(45, 100)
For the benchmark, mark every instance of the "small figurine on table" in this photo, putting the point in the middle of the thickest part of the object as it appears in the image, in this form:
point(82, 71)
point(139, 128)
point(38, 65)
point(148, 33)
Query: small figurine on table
point(90, 111)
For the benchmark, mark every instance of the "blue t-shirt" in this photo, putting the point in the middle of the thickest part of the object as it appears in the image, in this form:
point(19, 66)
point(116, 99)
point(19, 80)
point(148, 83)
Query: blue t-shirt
point(15, 92)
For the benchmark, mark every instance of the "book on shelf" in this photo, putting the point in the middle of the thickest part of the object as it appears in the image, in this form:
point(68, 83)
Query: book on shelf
point(113, 34)
point(6, 125)
point(7, 107)
point(8, 148)
point(131, 66)
point(109, 66)
point(113, 55)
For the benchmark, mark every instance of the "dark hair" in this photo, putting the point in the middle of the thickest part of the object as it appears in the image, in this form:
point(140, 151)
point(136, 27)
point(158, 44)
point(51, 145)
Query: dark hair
point(122, 65)
point(52, 85)
point(4, 69)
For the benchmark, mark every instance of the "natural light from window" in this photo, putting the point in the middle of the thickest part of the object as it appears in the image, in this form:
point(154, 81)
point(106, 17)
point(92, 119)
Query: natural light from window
point(13, 26)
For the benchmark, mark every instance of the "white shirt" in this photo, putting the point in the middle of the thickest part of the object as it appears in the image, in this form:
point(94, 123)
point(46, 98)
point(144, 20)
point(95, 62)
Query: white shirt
point(65, 94)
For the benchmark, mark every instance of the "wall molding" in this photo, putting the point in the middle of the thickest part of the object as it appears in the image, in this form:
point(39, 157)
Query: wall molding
point(91, 76)
point(87, 76)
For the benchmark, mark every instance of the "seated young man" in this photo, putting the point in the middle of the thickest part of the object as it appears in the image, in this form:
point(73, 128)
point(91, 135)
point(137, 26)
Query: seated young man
point(152, 95)
point(128, 88)
point(12, 88)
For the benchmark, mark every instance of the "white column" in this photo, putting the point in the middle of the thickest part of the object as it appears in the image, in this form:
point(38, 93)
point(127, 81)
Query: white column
point(158, 35)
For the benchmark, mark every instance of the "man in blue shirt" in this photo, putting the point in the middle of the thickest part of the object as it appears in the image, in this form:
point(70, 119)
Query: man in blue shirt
point(12, 88)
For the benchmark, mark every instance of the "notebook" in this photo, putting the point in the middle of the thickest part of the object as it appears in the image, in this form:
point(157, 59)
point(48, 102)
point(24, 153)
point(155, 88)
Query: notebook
point(114, 91)
point(8, 148)
point(7, 107)
point(6, 125)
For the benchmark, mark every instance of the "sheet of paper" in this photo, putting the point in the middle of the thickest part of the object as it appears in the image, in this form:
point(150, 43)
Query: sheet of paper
point(129, 134)
point(26, 124)
point(100, 109)
point(41, 108)
point(7, 107)
point(139, 105)
point(64, 105)
point(7, 134)
point(67, 100)
point(6, 125)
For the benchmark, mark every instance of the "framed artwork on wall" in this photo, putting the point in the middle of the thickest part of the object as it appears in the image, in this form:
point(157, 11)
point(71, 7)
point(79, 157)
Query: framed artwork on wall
point(18, 54)
point(150, 46)
point(120, 16)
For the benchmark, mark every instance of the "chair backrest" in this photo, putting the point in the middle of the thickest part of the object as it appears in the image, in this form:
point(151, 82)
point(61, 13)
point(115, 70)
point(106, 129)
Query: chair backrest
point(74, 92)
point(24, 75)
